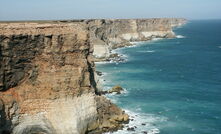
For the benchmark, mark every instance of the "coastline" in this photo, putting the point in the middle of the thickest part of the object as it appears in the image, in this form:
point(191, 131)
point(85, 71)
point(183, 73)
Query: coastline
point(139, 122)
point(144, 123)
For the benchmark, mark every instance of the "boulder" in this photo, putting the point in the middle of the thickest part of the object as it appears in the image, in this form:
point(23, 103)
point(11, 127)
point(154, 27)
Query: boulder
point(116, 89)
point(131, 129)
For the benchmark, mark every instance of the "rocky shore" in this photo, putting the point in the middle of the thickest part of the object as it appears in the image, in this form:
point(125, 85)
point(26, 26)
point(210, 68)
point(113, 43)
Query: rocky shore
point(47, 73)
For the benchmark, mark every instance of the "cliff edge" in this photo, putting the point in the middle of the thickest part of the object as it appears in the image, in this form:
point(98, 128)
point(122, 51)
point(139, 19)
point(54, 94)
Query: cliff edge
point(47, 73)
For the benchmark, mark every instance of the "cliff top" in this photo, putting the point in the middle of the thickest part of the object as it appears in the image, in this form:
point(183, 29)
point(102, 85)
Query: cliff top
point(33, 28)
point(60, 26)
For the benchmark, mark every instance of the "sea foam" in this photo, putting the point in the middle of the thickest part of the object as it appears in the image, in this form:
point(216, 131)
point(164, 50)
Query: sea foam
point(180, 36)
point(147, 51)
point(156, 39)
point(142, 123)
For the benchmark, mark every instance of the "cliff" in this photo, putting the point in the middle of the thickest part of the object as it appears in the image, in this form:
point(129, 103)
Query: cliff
point(47, 80)
point(111, 34)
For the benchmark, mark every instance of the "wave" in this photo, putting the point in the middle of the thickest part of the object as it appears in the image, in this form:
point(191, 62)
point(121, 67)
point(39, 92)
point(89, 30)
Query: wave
point(180, 36)
point(148, 51)
point(219, 46)
point(101, 62)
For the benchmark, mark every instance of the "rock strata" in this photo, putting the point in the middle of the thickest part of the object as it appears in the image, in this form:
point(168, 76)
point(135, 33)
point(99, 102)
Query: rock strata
point(47, 78)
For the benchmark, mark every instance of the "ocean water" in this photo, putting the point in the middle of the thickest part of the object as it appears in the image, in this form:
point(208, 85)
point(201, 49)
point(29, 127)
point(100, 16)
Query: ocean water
point(172, 86)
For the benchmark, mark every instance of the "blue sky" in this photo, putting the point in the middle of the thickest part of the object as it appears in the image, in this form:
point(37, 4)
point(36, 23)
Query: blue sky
point(81, 9)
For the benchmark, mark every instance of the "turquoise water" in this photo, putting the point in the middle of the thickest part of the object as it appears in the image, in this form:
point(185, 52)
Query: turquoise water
point(172, 85)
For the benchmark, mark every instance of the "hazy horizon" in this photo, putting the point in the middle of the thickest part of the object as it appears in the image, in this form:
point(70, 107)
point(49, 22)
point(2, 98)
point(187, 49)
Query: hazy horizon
point(13, 10)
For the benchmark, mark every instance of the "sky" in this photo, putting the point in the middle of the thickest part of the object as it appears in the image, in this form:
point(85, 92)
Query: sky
point(91, 9)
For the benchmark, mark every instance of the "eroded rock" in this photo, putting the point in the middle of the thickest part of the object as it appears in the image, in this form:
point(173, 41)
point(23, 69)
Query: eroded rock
point(116, 89)
point(110, 117)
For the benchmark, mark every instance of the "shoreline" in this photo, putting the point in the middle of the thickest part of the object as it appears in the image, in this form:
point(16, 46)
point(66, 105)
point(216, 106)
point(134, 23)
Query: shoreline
point(123, 58)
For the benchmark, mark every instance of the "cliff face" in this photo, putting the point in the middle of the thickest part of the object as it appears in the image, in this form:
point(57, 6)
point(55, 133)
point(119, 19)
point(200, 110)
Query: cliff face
point(110, 34)
point(44, 67)
point(47, 81)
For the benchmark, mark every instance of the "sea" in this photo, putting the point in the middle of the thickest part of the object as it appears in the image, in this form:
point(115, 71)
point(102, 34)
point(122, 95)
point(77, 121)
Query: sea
point(172, 86)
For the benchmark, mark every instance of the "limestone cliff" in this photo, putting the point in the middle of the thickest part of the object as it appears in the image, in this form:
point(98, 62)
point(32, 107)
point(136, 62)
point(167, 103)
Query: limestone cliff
point(47, 80)
point(111, 34)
